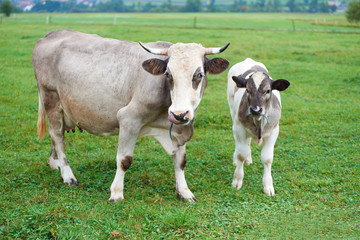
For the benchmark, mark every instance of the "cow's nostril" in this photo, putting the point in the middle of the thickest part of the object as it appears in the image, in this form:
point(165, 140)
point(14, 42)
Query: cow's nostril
point(256, 110)
point(180, 116)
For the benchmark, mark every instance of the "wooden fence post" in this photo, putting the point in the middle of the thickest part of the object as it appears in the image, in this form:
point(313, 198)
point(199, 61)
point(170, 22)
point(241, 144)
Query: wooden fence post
point(293, 24)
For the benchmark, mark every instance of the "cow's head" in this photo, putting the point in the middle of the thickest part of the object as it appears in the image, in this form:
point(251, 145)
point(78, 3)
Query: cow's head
point(185, 69)
point(258, 92)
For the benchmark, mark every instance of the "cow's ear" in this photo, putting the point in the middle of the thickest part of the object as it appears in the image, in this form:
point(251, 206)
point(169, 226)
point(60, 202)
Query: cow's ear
point(155, 66)
point(280, 84)
point(240, 81)
point(216, 65)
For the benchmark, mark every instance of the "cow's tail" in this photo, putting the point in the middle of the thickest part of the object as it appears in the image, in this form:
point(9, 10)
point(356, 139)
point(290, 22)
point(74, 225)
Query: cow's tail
point(41, 123)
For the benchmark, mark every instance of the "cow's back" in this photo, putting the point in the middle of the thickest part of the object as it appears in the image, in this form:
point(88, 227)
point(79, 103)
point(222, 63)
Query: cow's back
point(94, 77)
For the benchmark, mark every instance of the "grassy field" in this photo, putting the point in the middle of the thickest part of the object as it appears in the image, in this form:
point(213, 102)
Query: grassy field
point(234, 21)
point(316, 165)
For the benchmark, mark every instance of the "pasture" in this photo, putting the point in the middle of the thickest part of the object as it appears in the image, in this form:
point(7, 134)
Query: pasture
point(316, 162)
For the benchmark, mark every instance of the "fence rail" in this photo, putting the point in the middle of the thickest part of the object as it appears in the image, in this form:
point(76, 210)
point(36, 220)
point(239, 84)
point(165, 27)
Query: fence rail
point(198, 22)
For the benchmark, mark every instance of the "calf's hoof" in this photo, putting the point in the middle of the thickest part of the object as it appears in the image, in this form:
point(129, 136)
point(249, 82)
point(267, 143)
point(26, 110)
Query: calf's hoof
point(116, 196)
point(269, 190)
point(237, 183)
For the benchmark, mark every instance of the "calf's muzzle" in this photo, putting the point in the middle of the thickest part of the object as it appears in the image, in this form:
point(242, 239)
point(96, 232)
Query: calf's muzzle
point(256, 110)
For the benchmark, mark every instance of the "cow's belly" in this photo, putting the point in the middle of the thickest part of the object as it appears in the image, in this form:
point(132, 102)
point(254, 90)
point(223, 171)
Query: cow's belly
point(96, 115)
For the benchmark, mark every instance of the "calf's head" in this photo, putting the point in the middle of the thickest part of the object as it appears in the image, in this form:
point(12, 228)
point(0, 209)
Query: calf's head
point(258, 92)
point(185, 69)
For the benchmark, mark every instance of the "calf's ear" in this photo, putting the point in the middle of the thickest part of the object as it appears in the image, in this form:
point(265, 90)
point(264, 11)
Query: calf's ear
point(280, 84)
point(155, 66)
point(216, 65)
point(240, 81)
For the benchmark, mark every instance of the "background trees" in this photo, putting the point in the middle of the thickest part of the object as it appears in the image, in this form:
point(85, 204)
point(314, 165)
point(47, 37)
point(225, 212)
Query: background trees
point(353, 11)
point(6, 7)
point(310, 6)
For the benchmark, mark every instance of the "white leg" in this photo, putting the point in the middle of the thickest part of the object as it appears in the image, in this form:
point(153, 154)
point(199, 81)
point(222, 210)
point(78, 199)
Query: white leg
point(267, 155)
point(242, 153)
point(61, 162)
point(179, 159)
point(53, 162)
point(127, 139)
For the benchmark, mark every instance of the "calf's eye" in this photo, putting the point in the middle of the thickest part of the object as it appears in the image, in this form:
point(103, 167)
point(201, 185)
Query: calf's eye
point(268, 91)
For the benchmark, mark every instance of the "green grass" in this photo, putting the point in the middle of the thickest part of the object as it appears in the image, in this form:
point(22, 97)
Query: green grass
point(271, 21)
point(316, 163)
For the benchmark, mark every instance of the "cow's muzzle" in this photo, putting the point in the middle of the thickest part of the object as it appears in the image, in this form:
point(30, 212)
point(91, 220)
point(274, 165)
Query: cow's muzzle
point(179, 117)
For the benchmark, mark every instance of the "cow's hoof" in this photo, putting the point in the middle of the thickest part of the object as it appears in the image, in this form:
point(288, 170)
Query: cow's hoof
point(74, 182)
point(269, 190)
point(186, 196)
point(71, 182)
point(237, 183)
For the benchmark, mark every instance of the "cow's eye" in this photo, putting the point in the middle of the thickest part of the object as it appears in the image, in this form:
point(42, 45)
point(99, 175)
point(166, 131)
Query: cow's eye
point(200, 75)
point(247, 90)
point(268, 91)
point(168, 75)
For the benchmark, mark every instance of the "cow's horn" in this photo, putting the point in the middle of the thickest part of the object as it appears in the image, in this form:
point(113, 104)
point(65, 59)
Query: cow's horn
point(210, 51)
point(157, 51)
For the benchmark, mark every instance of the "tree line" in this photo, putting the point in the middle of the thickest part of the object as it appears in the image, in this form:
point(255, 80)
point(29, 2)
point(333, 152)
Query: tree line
point(312, 6)
point(190, 6)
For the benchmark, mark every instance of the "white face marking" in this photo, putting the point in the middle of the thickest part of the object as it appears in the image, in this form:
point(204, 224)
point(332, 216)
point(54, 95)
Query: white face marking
point(258, 78)
point(184, 60)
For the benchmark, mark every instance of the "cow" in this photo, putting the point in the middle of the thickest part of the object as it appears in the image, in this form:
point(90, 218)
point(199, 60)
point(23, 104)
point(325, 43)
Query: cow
point(109, 87)
point(255, 108)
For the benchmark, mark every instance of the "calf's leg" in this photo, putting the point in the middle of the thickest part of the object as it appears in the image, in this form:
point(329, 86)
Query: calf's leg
point(267, 155)
point(242, 154)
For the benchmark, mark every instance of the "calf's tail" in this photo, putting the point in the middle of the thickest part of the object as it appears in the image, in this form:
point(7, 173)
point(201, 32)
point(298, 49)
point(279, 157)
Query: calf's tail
point(41, 123)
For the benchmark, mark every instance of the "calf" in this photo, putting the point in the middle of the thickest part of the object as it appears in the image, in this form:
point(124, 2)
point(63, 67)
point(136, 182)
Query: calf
point(255, 107)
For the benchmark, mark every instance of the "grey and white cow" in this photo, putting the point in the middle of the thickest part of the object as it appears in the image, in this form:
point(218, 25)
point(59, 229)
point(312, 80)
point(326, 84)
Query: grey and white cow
point(104, 87)
point(255, 107)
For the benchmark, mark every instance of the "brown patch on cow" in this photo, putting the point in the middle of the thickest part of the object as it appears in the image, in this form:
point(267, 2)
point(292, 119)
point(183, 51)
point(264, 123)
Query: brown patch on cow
point(183, 163)
point(184, 133)
point(126, 162)
point(240, 157)
point(216, 65)
point(155, 66)
point(53, 153)
point(197, 77)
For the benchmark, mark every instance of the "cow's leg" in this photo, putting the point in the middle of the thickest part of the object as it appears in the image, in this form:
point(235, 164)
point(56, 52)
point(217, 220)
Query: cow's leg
point(267, 155)
point(242, 153)
point(53, 159)
point(129, 127)
point(179, 159)
point(182, 190)
point(56, 131)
